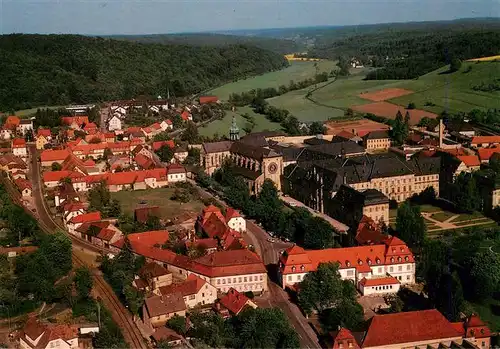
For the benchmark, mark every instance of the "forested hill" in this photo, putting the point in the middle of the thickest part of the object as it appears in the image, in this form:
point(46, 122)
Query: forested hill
point(282, 46)
point(409, 51)
point(60, 69)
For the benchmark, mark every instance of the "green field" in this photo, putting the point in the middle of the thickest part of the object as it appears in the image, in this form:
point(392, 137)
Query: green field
point(169, 209)
point(221, 127)
point(297, 71)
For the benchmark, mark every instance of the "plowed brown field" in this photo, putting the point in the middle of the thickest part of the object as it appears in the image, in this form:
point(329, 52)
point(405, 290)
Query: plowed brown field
point(389, 110)
point(385, 94)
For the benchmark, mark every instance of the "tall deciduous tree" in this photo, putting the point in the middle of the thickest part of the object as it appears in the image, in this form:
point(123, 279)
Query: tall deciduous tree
point(317, 128)
point(190, 134)
point(165, 153)
point(319, 234)
point(268, 206)
point(83, 282)
point(410, 225)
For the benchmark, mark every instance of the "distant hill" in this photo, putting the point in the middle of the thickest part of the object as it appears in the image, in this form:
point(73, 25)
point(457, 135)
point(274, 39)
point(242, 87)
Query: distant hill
point(61, 69)
point(211, 39)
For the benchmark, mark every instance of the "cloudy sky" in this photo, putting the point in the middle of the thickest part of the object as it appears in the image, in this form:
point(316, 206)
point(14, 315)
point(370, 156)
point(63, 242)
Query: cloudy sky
point(173, 16)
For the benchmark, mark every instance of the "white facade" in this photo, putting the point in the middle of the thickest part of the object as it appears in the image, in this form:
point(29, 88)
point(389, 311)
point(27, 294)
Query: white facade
point(20, 151)
point(176, 177)
point(114, 123)
point(166, 126)
point(23, 128)
point(238, 224)
point(6, 134)
point(206, 295)
point(380, 289)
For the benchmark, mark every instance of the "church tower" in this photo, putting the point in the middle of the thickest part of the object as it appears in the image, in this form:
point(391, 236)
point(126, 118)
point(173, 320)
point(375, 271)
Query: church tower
point(234, 131)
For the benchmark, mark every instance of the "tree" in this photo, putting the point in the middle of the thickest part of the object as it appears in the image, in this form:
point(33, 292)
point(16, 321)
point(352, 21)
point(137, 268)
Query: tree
point(449, 299)
point(56, 166)
point(190, 134)
point(177, 121)
point(332, 297)
point(317, 128)
point(268, 206)
point(485, 274)
point(178, 324)
point(165, 153)
point(410, 225)
point(83, 282)
point(455, 65)
point(466, 194)
point(411, 105)
point(193, 157)
point(319, 234)
point(349, 113)
point(400, 129)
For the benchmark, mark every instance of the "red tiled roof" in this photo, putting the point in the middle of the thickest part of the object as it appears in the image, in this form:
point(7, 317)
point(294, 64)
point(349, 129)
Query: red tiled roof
point(192, 285)
point(79, 120)
point(86, 217)
point(90, 126)
point(408, 327)
point(168, 121)
point(485, 139)
point(475, 327)
point(165, 334)
point(12, 120)
point(23, 183)
point(389, 280)
point(155, 126)
point(486, 153)
point(18, 143)
point(232, 262)
point(147, 239)
point(208, 99)
point(152, 270)
point(231, 213)
point(106, 234)
point(56, 176)
point(392, 251)
point(215, 226)
point(469, 160)
point(89, 163)
point(144, 162)
point(345, 134)
point(368, 232)
point(205, 243)
point(185, 115)
point(343, 338)
point(234, 301)
point(54, 155)
point(45, 132)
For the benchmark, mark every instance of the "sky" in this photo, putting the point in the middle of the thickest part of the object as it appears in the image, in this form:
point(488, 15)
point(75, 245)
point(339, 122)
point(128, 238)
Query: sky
point(105, 17)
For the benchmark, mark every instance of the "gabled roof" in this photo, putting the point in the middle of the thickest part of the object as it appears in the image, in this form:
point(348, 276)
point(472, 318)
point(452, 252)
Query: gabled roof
point(175, 168)
point(152, 270)
point(45, 132)
point(485, 139)
point(144, 162)
point(234, 301)
point(192, 285)
point(388, 280)
point(54, 155)
point(86, 217)
point(377, 135)
point(208, 99)
point(79, 120)
point(18, 143)
point(165, 304)
point(231, 213)
point(147, 239)
point(185, 115)
point(486, 153)
point(344, 339)
point(470, 160)
point(12, 120)
point(157, 145)
point(217, 147)
point(408, 327)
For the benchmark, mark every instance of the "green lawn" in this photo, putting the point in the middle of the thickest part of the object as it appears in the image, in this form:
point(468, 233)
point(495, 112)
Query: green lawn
point(483, 221)
point(297, 71)
point(169, 209)
point(26, 112)
point(429, 208)
point(442, 216)
point(221, 127)
point(467, 217)
point(452, 92)
point(489, 311)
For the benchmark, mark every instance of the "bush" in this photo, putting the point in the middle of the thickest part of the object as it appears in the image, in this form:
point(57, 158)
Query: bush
point(411, 105)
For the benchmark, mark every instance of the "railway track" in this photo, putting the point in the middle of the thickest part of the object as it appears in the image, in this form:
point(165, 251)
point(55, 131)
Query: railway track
point(119, 313)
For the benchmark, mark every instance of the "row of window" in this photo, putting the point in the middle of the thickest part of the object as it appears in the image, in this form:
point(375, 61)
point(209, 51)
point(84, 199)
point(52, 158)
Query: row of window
point(381, 288)
point(240, 279)
point(247, 287)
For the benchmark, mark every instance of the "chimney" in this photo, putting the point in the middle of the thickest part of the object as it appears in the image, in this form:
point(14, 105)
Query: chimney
point(441, 131)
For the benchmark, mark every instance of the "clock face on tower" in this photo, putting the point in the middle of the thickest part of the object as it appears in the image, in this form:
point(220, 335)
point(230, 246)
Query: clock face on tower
point(272, 168)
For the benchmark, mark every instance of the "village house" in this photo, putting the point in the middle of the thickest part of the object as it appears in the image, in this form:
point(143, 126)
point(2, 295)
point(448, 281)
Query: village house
point(166, 335)
point(74, 223)
point(25, 126)
point(75, 122)
point(208, 99)
point(114, 123)
point(157, 145)
point(241, 269)
point(194, 290)
point(48, 157)
point(234, 220)
point(19, 148)
point(157, 310)
point(377, 140)
point(486, 153)
point(485, 141)
point(24, 187)
point(167, 125)
point(180, 154)
point(176, 173)
point(72, 209)
point(37, 335)
point(233, 303)
point(100, 233)
point(212, 155)
point(415, 329)
point(391, 264)
point(213, 224)
point(152, 275)
point(43, 137)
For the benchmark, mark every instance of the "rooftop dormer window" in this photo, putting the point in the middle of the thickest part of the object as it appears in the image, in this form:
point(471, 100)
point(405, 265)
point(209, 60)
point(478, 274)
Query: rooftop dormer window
point(377, 260)
point(406, 258)
point(399, 259)
point(293, 268)
point(392, 259)
point(302, 267)
point(402, 249)
point(360, 262)
point(347, 263)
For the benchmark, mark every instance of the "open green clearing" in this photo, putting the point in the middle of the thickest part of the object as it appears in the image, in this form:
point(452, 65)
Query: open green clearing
point(221, 127)
point(169, 209)
point(297, 71)
point(442, 216)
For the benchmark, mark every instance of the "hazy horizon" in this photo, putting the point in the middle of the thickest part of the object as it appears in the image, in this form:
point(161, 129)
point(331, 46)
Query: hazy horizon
point(121, 17)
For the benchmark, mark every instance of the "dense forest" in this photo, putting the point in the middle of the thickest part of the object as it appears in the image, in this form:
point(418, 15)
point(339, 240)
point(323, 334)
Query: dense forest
point(282, 46)
point(408, 51)
point(61, 69)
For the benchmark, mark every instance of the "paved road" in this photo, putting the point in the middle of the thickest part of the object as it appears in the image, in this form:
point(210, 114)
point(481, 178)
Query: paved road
point(120, 314)
point(277, 297)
